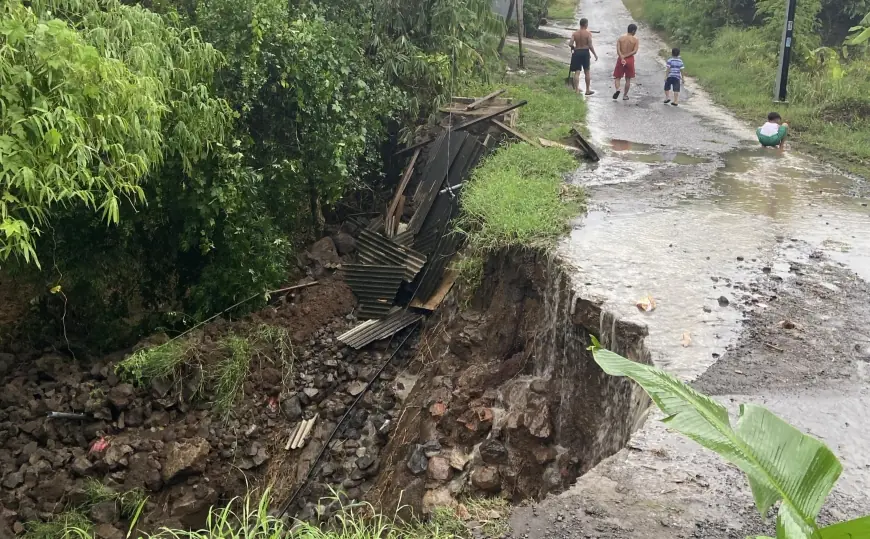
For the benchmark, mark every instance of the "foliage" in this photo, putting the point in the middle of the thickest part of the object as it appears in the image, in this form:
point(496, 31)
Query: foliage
point(553, 108)
point(252, 518)
point(231, 372)
point(561, 9)
point(425, 49)
point(860, 33)
point(60, 526)
point(159, 362)
point(79, 128)
point(128, 502)
point(517, 197)
point(781, 463)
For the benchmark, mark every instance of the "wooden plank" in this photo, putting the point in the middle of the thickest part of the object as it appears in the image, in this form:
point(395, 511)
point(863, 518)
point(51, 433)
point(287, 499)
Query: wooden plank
point(587, 148)
point(466, 125)
point(485, 98)
point(450, 277)
point(550, 144)
point(406, 177)
point(513, 132)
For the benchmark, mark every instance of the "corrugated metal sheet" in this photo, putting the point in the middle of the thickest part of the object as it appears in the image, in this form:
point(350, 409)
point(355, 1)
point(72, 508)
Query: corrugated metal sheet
point(374, 286)
point(378, 250)
point(375, 330)
point(434, 176)
point(433, 271)
point(405, 238)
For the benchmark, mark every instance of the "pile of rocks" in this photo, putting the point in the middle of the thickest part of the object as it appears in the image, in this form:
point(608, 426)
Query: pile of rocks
point(184, 455)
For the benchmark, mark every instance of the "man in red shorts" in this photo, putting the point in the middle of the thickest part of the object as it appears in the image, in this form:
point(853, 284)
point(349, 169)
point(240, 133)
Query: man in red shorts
point(626, 49)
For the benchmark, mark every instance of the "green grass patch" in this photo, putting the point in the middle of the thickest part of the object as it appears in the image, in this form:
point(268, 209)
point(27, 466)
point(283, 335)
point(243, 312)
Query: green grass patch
point(247, 518)
point(562, 9)
point(231, 372)
point(553, 109)
point(159, 362)
point(63, 526)
point(518, 198)
point(128, 502)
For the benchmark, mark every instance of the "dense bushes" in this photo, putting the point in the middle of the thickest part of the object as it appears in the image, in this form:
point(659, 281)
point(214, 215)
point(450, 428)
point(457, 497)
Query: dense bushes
point(209, 136)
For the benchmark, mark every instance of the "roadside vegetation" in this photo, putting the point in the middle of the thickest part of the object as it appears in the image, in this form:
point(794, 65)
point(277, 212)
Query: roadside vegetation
point(194, 147)
point(518, 197)
point(782, 464)
point(732, 48)
point(252, 518)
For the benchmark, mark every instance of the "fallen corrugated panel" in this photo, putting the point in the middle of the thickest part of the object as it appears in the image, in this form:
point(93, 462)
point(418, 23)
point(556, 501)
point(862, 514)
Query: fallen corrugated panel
point(434, 177)
point(405, 238)
point(375, 330)
point(374, 286)
point(377, 250)
point(438, 296)
point(433, 271)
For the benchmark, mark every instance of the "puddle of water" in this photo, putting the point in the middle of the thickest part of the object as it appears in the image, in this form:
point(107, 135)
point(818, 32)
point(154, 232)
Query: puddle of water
point(804, 199)
point(644, 153)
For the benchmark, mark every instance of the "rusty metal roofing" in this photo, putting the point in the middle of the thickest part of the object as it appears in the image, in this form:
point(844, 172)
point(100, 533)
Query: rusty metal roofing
point(375, 286)
point(377, 250)
point(375, 330)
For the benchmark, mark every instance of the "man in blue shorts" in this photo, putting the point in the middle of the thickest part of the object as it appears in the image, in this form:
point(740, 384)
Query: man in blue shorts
point(581, 45)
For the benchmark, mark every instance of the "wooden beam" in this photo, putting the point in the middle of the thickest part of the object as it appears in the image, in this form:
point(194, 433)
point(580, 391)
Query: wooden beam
point(486, 98)
point(466, 125)
point(513, 132)
point(550, 144)
point(406, 177)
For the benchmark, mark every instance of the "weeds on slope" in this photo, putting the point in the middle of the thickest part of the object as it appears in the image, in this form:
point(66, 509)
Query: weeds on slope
point(249, 518)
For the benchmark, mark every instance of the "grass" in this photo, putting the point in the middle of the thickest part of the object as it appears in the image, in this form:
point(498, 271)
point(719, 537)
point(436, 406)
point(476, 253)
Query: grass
point(61, 526)
point(518, 198)
point(553, 109)
point(231, 372)
point(829, 114)
point(159, 362)
point(562, 9)
point(251, 519)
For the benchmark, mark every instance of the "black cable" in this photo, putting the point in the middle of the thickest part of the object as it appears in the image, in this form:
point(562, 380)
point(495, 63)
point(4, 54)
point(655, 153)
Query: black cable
point(312, 470)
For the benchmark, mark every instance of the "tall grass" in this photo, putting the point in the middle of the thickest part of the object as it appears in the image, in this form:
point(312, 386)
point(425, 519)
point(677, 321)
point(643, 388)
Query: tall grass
point(249, 518)
point(518, 197)
point(231, 372)
point(159, 362)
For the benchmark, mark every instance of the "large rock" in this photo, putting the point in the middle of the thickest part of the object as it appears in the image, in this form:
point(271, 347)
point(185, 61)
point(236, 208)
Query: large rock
point(417, 461)
point(185, 458)
point(117, 455)
point(439, 469)
point(121, 396)
point(345, 244)
point(107, 531)
point(486, 478)
point(323, 252)
point(105, 512)
point(493, 452)
point(13, 480)
point(439, 497)
point(292, 408)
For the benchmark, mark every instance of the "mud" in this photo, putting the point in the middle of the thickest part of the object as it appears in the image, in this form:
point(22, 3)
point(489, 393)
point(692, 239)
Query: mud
point(508, 399)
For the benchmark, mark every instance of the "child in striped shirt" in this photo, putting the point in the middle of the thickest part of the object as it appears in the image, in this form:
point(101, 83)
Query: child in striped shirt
point(674, 78)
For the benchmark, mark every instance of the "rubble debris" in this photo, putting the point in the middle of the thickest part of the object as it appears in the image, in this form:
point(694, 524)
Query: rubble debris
point(375, 330)
point(485, 99)
point(393, 212)
point(299, 436)
point(647, 304)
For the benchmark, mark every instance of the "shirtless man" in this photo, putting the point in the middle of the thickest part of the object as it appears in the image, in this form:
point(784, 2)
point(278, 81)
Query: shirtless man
point(626, 49)
point(581, 44)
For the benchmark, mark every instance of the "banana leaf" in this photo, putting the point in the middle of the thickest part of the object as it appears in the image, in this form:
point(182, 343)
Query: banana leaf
point(781, 463)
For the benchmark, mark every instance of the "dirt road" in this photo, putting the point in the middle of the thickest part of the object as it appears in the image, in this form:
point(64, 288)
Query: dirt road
point(758, 262)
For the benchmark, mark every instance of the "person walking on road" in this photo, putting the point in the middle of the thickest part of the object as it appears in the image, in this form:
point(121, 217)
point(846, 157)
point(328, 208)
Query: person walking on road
point(674, 77)
point(581, 44)
point(626, 49)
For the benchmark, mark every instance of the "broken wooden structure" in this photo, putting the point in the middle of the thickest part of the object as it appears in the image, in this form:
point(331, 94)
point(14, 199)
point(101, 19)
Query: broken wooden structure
point(404, 255)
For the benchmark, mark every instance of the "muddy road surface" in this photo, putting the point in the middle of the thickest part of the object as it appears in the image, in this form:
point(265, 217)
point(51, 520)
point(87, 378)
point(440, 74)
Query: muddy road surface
point(758, 263)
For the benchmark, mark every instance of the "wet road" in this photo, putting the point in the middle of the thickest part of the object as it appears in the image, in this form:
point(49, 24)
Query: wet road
point(687, 209)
